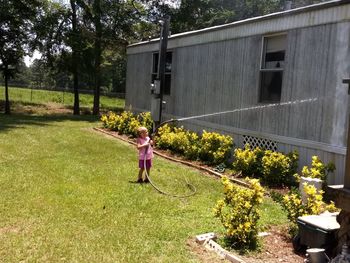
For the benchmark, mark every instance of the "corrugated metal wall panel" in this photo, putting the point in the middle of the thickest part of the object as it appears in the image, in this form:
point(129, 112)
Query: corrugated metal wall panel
point(138, 81)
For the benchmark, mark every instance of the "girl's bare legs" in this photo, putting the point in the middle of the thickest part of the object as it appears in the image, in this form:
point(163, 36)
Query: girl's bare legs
point(139, 178)
point(149, 174)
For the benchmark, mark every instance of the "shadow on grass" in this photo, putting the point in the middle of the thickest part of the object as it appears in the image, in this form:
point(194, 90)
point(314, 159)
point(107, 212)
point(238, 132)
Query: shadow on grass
point(28, 113)
point(37, 115)
point(15, 121)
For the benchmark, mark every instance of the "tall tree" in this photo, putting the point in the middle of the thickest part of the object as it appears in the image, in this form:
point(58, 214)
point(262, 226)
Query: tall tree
point(300, 3)
point(16, 24)
point(97, 10)
point(198, 14)
point(110, 24)
point(59, 35)
point(75, 56)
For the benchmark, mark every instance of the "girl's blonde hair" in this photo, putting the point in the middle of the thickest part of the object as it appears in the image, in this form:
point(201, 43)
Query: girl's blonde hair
point(141, 130)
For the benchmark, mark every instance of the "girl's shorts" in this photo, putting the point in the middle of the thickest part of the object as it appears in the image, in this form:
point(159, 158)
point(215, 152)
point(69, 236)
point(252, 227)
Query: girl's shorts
point(142, 164)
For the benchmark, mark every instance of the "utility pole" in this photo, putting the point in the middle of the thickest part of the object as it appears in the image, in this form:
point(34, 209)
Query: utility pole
point(161, 63)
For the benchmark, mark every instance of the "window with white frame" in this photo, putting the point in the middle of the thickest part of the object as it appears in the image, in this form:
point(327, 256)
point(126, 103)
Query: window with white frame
point(272, 64)
point(168, 64)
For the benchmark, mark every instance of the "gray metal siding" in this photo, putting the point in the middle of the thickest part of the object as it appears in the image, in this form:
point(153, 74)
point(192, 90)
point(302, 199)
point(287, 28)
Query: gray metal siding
point(138, 82)
point(224, 76)
point(221, 76)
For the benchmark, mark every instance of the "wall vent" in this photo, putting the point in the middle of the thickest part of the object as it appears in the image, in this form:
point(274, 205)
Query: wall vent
point(259, 142)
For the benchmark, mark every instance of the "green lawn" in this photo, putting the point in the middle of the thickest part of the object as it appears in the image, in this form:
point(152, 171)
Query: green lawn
point(66, 196)
point(28, 96)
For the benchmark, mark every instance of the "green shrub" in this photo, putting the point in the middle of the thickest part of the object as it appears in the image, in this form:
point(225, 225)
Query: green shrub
point(277, 168)
point(239, 213)
point(276, 196)
point(248, 161)
point(214, 148)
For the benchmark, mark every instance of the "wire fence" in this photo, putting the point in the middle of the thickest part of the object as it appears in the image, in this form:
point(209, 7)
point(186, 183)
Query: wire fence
point(63, 96)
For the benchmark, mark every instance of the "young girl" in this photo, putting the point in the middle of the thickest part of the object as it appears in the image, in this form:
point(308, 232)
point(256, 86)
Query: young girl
point(144, 145)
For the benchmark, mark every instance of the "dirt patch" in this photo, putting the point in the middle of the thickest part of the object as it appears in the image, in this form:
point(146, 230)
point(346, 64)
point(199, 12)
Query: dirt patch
point(276, 248)
point(202, 253)
point(33, 108)
point(10, 229)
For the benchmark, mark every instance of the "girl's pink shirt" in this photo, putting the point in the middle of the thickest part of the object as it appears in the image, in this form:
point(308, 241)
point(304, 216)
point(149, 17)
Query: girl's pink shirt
point(142, 151)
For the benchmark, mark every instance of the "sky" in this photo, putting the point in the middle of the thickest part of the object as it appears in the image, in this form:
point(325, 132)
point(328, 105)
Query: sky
point(29, 60)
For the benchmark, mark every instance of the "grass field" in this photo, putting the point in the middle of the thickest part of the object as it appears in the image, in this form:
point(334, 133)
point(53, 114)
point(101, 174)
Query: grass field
point(67, 196)
point(35, 97)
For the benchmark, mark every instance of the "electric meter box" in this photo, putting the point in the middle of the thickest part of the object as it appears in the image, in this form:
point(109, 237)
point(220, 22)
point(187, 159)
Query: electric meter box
point(318, 231)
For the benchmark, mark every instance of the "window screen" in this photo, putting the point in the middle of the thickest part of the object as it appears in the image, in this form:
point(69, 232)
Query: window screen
point(271, 72)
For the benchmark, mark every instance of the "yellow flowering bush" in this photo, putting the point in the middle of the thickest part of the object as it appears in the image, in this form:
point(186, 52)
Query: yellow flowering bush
point(214, 148)
point(104, 119)
point(277, 168)
point(178, 140)
point(239, 213)
point(314, 205)
point(211, 148)
point(171, 138)
point(248, 161)
point(317, 170)
point(162, 140)
point(127, 122)
point(131, 128)
point(111, 121)
point(126, 118)
point(145, 120)
point(273, 168)
point(192, 148)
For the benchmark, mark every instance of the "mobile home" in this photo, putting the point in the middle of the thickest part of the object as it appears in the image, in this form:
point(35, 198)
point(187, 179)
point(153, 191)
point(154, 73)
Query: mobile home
point(293, 62)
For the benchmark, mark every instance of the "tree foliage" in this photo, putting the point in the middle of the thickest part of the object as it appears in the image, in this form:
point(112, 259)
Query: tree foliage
point(83, 42)
point(16, 24)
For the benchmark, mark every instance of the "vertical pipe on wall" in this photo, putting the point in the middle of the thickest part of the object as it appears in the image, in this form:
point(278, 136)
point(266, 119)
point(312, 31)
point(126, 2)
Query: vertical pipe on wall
point(162, 61)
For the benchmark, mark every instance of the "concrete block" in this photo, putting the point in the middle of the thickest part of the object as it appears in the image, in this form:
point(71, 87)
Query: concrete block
point(212, 245)
point(233, 258)
point(203, 237)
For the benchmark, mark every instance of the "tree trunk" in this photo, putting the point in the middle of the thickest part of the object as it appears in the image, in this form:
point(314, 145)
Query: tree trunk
point(7, 101)
point(97, 55)
point(76, 110)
